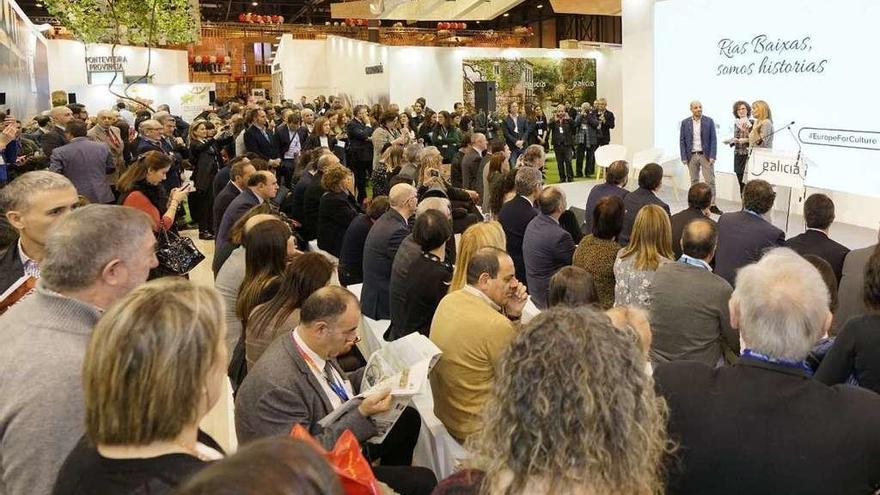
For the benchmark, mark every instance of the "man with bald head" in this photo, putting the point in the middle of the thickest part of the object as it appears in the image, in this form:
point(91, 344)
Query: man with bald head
point(105, 132)
point(690, 318)
point(380, 249)
point(699, 145)
point(471, 174)
point(56, 137)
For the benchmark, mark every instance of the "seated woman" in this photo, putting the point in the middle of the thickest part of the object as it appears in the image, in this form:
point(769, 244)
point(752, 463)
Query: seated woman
point(270, 466)
point(572, 286)
point(155, 366)
point(337, 208)
point(351, 255)
point(431, 273)
point(604, 433)
point(432, 183)
point(304, 275)
point(856, 350)
point(650, 245)
point(596, 252)
point(477, 236)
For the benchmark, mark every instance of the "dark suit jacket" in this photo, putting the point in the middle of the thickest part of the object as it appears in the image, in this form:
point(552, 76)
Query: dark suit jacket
point(761, 428)
point(222, 202)
point(562, 133)
point(511, 136)
point(311, 208)
point(299, 195)
point(351, 254)
point(603, 134)
point(849, 293)
point(679, 221)
point(86, 163)
point(144, 145)
point(237, 208)
point(281, 391)
point(11, 268)
point(360, 146)
point(283, 137)
point(379, 250)
point(220, 180)
point(514, 217)
point(314, 141)
point(408, 252)
point(335, 213)
point(52, 140)
point(256, 142)
point(634, 202)
point(471, 178)
point(742, 239)
point(547, 247)
point(596, 193)
point(819, 244)
point(709, 141)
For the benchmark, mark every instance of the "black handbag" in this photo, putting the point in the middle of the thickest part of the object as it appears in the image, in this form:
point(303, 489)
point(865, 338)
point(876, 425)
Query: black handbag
point(176, 254)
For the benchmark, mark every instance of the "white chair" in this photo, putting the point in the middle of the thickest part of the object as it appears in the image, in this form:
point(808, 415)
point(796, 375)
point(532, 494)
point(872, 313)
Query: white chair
point(608, 154)
point(435, 448)
point(372, 331)
point(642, 158)
point(674, 170)
point(313, 247)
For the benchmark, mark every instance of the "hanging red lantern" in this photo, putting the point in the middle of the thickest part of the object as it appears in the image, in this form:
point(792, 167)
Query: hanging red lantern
point(242, 17)
point(192, 59)
point(221, 59)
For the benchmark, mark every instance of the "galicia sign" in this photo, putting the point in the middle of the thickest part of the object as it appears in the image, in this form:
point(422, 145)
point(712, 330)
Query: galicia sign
point(779, 168)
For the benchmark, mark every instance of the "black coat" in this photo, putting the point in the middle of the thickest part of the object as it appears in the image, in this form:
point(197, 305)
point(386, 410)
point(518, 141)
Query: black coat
point(514, 217)
point(11, 268)
point(256, 142)
point(680, 221)
point(634, 202)
point(761, 428)
point(603, 134)
point(52, 140)
point(206, 163)
point(360, 146)
point(335, 213)
point(351, 254)
point(222, 201)
point(562, 133)
point(819, 244)
point(511, 136)
point(311, 208)
point(742, 239)
point(379, 251)
point(314, 141)
point(283, 137)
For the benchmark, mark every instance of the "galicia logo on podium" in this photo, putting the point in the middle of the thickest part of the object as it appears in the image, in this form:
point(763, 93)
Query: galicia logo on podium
point(779, 166)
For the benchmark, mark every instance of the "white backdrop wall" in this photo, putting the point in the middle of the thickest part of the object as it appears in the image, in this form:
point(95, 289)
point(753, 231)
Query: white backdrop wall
point(67, 60)
point(185, 100)
point(639, 93)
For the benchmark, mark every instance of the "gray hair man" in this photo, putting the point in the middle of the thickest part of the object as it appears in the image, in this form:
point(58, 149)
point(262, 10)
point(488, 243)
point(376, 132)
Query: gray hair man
point(93, 257)
point(780, 306)
point(60, 116)
point(32, 204)
point(516, 214)
point(547, 247)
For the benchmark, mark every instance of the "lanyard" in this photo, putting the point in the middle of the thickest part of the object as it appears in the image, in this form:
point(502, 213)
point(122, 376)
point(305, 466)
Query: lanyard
point(748, 353)
point(337, 389)
point(688, 260)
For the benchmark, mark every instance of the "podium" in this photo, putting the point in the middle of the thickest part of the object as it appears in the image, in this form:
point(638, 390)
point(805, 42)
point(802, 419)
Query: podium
point(779, 168)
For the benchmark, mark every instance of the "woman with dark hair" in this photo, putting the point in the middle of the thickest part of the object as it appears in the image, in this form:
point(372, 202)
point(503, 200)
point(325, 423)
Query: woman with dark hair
point(742, 126)
point(351, 256)
point(337, 208)
point(206, 162)
point(426, 128)
point(538, 128)
point(141, 187)
point(502, 185)
point(304, 275)
point(856, 350)
point(404, 123)
point(269, 466)
point(447, 137)
point(267, 248)
point(322, 136)
point(592, 423)
point(488, 171)
point(597, 251)
point(572, 286)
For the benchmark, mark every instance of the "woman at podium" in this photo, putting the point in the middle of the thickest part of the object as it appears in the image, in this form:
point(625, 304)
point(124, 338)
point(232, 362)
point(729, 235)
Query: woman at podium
point(761, 135)
point(742, 126)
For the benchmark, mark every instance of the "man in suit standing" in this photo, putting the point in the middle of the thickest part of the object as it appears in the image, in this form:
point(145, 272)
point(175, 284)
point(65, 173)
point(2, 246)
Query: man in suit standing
point(745, 235)
point(650, 180)
point(150, 137)
point(56, 136)
point(699, 199)
point(85, 162)
point(173, 146)
point(547, 247)
point(699, 146)
point(297, 381)
point(562, 139)
point(615, 185)
point(240, 172)
point(690, 319)
point(290, 139)
point(515, 129)
point(852, 283)
point(105, 132)
point(261, 186)
point(471, 175)
point(258, 139)
point(819, 214)
point(380, 248)
point(516, 214)
point(360, 148)
point(770, 426)
point(602, 120)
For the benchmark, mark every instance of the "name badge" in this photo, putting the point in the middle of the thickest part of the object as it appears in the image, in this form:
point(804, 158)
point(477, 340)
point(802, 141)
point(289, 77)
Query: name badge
point(584, 126)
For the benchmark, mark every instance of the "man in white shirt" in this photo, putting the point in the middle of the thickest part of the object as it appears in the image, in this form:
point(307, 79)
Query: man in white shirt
point(699, 145)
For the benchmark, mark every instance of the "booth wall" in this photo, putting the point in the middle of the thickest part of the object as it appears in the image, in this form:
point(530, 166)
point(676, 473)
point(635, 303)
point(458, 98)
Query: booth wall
point(25, 75)
point(166, 66)
point(348, 60)
point(303, 68)
point(638, 104)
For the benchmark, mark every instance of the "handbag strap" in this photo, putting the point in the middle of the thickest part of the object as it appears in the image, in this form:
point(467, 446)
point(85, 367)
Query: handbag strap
point(162, 228)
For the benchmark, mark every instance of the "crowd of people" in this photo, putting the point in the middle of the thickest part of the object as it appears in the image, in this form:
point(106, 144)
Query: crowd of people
point(675, 352)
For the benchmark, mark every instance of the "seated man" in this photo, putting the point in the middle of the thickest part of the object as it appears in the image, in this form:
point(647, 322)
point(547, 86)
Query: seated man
point(297, 381)
point(819, 215)
point(473, 326)
point(763, 425)
point(547, 247)
point(650, 181)
point(689, 317)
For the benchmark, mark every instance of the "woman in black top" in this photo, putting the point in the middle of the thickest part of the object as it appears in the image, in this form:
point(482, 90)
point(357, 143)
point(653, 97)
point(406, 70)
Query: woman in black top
point(337, 208)
point(154, 367)
point(856, 350)
point(206, 163)
point(423, 292)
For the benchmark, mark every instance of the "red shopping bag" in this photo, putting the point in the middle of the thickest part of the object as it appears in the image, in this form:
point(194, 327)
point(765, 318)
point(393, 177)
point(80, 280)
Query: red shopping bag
point(347, 460)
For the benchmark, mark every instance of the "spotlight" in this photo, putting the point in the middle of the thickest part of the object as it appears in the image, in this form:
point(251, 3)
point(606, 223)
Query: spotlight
point(540, 5)
point(507, 14)
point(255, 4)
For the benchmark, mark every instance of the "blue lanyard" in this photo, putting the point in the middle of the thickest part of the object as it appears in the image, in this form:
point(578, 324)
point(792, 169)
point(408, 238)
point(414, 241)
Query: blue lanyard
point(748, 353)
point(688, 260)
point(337, 389)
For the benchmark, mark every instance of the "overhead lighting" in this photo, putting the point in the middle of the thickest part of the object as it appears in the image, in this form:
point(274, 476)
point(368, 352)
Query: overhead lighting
point(507, 14)
point(478, 22)
point(540, 5)
point(255, 4)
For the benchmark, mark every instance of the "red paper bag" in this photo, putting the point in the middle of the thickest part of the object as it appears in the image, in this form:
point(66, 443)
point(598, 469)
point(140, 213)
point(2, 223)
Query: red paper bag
point(347, 460)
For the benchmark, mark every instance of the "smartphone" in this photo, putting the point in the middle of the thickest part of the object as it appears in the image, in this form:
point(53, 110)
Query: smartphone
point(188, 186)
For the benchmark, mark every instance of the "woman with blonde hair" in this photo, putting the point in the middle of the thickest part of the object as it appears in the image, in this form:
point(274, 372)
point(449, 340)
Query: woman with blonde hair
point(761, 133)
point(154, 367)
point(650, 245)
point(480, 235)
point(592, 424)
point(389, 165)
